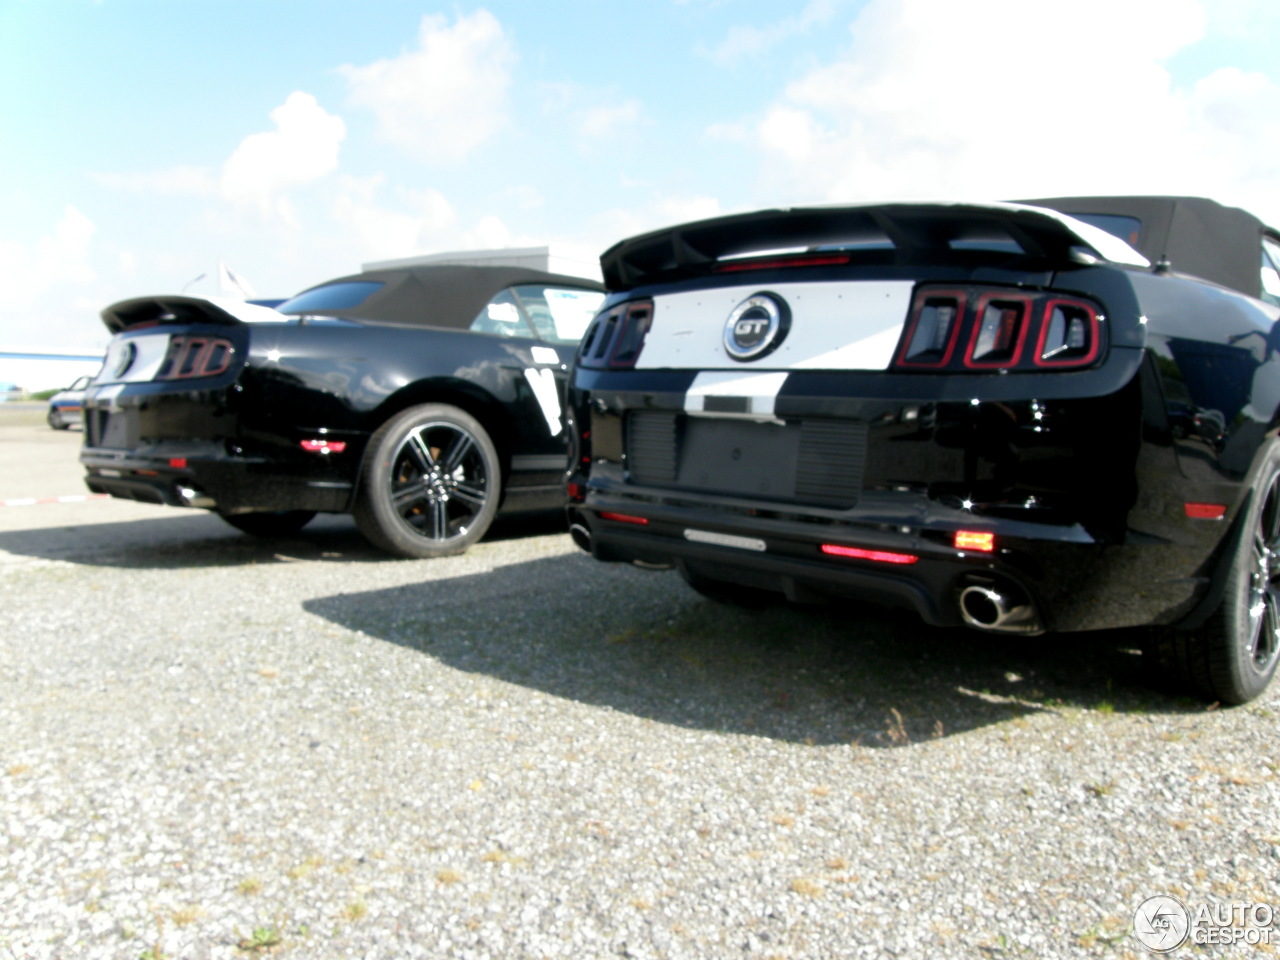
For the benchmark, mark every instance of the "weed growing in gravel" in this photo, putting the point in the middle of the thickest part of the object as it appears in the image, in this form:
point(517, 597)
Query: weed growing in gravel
point(186, 915)
point(1101, 789)
point(260, 940)
point(448, 877)
point(304, 868)
point(249, 886)
point(354, 910)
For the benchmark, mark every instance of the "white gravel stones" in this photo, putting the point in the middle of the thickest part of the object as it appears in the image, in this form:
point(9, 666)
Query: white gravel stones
point(230, 747)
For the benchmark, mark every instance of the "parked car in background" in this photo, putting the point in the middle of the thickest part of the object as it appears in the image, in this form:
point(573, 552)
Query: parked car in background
point(66, 407)
point(421, 399)
point(1001, 415)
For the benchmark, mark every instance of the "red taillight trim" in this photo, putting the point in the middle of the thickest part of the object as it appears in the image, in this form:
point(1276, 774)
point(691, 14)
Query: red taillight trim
point(980, 541)
point(1047, 315)
point(861, 553)
point(1205, 511)
point(624, 518)
point(984, 300)
point(199, 350)
point(178, 463)
point(775, 263)
point(917, 307)
point(576, 492)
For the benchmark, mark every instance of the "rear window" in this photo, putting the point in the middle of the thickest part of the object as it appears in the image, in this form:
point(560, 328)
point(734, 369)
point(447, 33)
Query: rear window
point(1128, 229)
point(332, 296)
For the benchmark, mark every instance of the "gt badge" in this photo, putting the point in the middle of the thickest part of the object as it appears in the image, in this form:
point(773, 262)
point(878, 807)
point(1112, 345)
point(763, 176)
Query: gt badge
point(756, 326)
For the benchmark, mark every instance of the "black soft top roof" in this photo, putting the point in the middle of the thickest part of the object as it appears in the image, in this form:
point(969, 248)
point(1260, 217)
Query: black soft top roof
point(1195, 235)
point(438, 295)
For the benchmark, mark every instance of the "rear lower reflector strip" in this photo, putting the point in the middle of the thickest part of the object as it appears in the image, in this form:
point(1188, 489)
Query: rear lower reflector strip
point(623, 518)
point(725, 540)
point(858, 553)
point(1205, 511)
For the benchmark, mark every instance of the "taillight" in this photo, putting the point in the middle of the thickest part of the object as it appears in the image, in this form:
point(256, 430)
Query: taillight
point(1000, 329)
point(616, 337)
point(989, 328)
point(932, 329)
point(1068, 336)
point(190, 357)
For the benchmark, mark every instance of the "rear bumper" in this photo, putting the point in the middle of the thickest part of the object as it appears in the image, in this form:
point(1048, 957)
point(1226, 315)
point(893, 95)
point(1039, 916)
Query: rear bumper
point(195, 477)
point(1059, 578)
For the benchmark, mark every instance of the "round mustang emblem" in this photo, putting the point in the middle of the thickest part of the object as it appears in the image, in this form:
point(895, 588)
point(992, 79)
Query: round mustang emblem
point(756, 326)
point(124, 361)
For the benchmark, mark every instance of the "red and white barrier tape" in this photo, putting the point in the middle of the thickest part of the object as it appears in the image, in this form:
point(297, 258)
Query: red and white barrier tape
point(35, 501)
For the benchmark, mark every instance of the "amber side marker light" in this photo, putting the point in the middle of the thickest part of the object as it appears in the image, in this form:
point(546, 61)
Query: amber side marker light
point(975, 540)
point(624, 518)
point(858, 553)
point(1205, 511)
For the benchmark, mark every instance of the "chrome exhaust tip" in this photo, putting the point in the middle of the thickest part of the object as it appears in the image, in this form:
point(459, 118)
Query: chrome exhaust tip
point(193, 497)
point(986, 608)
point(580, 536)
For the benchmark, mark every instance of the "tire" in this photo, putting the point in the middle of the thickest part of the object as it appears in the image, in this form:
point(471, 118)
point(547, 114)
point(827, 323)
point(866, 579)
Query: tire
point(430, 483)
point(56, 421)
point(1233, 657)
point(276, 523)
point(733, 594)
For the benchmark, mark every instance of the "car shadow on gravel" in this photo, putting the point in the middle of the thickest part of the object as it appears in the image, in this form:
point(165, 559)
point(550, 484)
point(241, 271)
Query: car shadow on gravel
point(184, 539)
point(644, 644)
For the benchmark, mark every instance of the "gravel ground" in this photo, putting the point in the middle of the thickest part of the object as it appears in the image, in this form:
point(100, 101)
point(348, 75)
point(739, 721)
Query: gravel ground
point(217, 747)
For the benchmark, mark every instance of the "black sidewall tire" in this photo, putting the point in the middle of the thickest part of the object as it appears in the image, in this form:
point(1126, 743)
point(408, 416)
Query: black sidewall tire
point(1219, 660)
point(376, 515)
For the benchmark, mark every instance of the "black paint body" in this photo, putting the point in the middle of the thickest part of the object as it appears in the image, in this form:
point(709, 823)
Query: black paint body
point(1082, 475)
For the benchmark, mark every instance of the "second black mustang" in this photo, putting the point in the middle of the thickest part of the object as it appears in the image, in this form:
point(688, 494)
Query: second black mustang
point(420, 399)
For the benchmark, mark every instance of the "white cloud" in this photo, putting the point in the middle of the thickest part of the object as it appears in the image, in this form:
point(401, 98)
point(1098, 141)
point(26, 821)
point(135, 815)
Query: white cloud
point(303, 148)
point(745, 42)
point(180, 181)
point(600, 123)
point(56, 259)
point(1001, 98)
point(381, 232)
point(443, 100)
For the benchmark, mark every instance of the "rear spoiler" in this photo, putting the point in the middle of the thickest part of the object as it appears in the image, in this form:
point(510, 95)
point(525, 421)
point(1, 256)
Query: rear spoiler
point(906, 232)
point(152, 311)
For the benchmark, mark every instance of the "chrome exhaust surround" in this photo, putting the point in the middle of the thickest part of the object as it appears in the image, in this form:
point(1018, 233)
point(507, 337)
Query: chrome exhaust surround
point(987, 608)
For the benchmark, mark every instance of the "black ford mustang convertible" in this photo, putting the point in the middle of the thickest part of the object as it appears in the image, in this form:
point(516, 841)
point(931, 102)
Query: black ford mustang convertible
point(1050, 416)
point(421, 399)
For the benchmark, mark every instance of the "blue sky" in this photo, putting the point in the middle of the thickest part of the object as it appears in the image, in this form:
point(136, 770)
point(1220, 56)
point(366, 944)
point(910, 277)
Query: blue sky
point(148, 140)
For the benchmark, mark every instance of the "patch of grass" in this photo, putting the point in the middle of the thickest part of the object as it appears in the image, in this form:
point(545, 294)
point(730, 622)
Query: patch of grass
point(249, 886)
point(184, 916)
point(260, 940)
point(355, 910)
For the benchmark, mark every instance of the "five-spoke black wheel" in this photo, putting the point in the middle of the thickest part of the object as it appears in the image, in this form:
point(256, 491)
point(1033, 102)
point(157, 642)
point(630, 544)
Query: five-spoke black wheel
point(430, 484)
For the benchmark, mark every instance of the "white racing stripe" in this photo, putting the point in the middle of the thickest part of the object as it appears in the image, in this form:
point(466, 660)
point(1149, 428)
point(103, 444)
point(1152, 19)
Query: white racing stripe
point(844, 325)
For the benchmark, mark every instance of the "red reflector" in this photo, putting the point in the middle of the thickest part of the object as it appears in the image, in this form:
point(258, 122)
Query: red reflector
point(1205, 511)
point(178, 463)
point(858, 553)
point(624, 518)
point(975, 540)
point(576, 492)
point(324, 446)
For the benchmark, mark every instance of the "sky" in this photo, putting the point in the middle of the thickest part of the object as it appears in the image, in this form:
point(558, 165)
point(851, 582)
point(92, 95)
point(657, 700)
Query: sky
point(145, 142)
